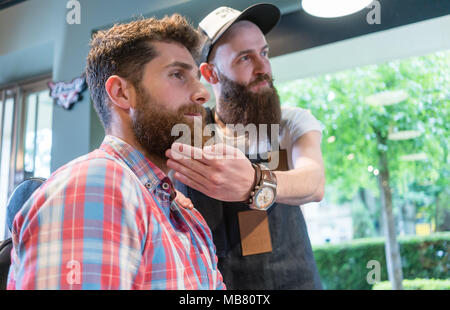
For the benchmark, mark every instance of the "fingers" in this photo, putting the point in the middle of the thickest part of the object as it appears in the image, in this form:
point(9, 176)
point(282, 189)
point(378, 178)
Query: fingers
point(182, 151)
point(222, 151)
point(183, 201)
point(186, 165)
point(190, 182)
point(189, 168)
point(206, 155)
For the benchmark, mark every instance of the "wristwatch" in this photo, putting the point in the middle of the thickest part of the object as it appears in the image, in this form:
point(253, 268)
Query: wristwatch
point(264, 194)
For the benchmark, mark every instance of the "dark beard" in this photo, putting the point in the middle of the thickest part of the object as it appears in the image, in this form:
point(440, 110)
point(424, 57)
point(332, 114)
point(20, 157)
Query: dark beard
point(239, 105)
point(153, 122)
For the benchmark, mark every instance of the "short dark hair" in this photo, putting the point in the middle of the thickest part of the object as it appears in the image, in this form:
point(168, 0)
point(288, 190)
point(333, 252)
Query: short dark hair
point(124, 49)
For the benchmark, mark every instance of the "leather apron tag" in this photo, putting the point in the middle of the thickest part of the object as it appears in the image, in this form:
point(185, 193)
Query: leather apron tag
point(255, 233)
point(282, 160)
point(254, 224)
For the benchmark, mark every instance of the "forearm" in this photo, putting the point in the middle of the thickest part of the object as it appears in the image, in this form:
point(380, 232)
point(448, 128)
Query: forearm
point(301, 185)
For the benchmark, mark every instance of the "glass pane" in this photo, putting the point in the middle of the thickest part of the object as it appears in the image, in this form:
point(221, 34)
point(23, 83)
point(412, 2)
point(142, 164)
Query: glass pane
point(44, 135)
point(1, 112)
point(29, 133)
point(5, 161)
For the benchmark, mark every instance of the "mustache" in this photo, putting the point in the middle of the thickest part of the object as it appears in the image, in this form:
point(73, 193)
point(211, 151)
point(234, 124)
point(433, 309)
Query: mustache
point(261, 78)
point(192, 108)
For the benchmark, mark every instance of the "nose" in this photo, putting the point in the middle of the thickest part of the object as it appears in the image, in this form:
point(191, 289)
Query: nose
point(261, 66)
point(201, 94)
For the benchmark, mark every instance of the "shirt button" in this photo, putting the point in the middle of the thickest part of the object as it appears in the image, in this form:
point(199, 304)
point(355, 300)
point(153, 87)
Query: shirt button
point(165, 186)
point(148, 185)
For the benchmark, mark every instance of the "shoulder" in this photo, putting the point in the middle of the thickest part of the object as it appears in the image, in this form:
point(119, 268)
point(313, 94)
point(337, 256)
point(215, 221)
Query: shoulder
point(96, 163)
point(95, 182)
point(297, 121)
point(97, 171)
point(296, 114)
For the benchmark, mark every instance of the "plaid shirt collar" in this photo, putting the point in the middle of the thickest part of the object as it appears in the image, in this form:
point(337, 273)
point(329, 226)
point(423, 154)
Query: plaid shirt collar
point(147, 172)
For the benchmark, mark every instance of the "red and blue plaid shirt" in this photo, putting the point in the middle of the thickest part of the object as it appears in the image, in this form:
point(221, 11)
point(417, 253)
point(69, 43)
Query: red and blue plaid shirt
point(108, 220)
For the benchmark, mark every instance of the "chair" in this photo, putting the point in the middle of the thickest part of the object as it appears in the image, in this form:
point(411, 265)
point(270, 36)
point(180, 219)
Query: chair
point(18, 197)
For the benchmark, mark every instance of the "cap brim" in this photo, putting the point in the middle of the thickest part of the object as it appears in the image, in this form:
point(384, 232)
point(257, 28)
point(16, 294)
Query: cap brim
point(264, 15)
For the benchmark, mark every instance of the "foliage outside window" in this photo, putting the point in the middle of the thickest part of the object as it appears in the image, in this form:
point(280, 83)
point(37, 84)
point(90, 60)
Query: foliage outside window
point(419, 170)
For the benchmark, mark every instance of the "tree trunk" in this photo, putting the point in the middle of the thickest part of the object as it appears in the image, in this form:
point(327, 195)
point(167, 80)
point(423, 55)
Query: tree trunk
point(368, 201)
point(436, 214)
point(409, 215)
point(393, 258)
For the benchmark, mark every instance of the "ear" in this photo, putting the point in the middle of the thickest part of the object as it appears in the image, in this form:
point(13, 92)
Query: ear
point(118, 90)
point(208, 73)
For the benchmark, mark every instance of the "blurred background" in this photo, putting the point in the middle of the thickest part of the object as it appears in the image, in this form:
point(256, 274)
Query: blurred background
point(377, 79)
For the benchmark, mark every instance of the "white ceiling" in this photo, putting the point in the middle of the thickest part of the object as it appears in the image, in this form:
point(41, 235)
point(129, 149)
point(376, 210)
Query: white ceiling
point(401, 42)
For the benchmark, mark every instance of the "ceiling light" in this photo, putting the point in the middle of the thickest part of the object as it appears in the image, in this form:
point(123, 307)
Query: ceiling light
point(334, 8)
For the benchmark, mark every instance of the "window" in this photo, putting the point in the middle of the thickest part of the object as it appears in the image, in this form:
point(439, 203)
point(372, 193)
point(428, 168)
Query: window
point(7, 105)
point(38, 134)
point(26, 111)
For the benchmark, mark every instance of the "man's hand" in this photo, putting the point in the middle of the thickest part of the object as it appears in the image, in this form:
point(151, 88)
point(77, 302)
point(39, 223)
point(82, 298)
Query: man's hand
point(183, 201)
point(218, 171)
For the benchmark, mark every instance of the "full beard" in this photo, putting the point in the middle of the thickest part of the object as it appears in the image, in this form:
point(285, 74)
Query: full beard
point(152, 124)
point(239, 105)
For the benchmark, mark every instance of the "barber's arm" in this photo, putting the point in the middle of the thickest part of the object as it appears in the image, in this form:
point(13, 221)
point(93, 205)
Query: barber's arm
point(226, 174)
point(306, 182)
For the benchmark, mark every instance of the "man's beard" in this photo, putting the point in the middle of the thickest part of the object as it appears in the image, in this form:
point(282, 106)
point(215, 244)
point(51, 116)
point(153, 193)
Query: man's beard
point(152, 123)
point(239, 105)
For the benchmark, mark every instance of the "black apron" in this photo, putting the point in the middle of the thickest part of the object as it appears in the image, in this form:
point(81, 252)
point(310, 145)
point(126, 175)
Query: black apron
point(291, 263)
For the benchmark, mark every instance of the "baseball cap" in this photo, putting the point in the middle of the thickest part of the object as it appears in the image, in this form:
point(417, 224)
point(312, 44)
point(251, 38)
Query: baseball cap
point(216, 23)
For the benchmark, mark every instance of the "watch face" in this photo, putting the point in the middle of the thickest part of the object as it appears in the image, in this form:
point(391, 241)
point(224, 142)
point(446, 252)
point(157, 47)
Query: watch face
point(264, 197)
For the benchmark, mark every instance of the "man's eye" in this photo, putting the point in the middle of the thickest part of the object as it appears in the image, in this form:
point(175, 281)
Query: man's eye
point(265, 53)
point(177, 75)
point(244, 58)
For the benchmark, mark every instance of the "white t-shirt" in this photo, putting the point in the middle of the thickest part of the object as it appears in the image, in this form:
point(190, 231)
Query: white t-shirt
point(294, 123)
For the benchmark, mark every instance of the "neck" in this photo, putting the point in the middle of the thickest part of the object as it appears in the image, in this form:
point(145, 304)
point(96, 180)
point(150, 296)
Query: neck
point(217, 119)
point(157, 160)
point(222, 125)
point(121, 128)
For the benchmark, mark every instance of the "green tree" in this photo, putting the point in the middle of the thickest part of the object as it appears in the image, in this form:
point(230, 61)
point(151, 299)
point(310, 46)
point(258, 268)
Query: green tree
point(358, 153)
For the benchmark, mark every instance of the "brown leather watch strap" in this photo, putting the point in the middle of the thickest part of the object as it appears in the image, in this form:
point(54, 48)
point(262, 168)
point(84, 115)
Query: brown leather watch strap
point(256, 183)
point(268, 176)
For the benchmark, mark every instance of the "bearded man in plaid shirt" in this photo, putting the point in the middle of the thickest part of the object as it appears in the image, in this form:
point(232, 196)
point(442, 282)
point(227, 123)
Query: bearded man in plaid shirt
point(108, 220)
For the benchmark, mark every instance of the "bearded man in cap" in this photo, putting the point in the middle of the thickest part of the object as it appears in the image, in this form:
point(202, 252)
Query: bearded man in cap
point(252, 205)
